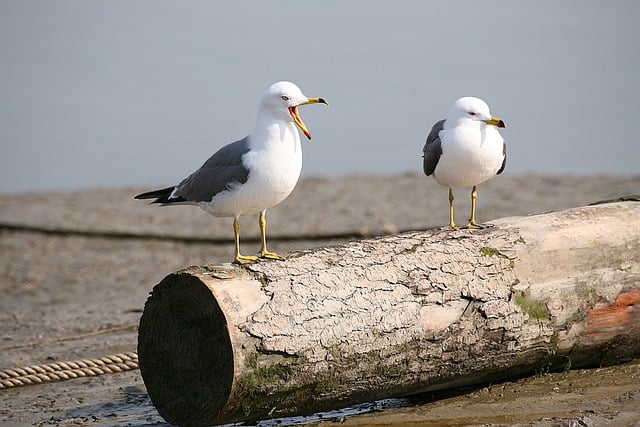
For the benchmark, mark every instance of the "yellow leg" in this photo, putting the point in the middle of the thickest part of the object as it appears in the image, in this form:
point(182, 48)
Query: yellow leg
point(472, 219)
point(452, 224)
point(240, 259)
point(263, 235)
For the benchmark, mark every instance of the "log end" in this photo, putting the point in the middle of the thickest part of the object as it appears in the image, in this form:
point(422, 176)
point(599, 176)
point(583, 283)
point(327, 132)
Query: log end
point(184, 350)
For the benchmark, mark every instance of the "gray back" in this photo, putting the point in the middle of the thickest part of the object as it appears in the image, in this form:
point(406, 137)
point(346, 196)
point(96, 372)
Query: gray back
point(216, 174)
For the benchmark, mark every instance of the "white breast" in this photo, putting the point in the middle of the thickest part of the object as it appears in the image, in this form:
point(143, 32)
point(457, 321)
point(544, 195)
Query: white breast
point(469, 156)
point(274, 163)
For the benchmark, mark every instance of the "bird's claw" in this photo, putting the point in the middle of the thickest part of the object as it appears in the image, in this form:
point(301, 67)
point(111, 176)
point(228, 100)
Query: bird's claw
point(270, 255)
point(245, 259)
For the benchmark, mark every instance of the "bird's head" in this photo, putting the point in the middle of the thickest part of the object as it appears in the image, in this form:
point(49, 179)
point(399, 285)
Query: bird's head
point(473, 109)
point(283, 99)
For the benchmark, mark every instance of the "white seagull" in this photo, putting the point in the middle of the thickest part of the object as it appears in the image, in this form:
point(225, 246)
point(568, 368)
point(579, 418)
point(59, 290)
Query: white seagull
point(465, 150)
point(252, 174)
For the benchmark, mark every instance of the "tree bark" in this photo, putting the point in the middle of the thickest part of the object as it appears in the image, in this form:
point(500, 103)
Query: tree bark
point(392, 316)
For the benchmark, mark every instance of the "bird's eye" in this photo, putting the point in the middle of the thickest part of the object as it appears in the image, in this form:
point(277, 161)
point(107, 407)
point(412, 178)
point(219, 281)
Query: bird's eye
point(471, 113)
point(285, 98)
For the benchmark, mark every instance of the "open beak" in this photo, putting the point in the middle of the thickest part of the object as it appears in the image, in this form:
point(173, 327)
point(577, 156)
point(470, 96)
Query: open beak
point(296, 117)
point(494, 121)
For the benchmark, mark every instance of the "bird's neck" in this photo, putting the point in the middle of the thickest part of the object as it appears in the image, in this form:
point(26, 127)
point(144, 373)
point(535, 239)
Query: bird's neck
point(271, 130)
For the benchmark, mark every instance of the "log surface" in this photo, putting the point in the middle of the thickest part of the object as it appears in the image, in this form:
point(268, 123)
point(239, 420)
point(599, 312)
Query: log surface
point(397, 315)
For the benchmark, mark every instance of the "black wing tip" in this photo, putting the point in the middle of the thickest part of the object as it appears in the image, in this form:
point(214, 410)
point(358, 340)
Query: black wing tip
point(143, 196)
point(160, 196)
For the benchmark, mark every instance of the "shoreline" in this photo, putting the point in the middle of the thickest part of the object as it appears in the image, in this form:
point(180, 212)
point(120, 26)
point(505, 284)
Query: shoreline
point(71, 296)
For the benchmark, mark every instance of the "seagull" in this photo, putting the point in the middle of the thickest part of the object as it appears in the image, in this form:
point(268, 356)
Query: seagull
point(252, 174)
point(464, 150)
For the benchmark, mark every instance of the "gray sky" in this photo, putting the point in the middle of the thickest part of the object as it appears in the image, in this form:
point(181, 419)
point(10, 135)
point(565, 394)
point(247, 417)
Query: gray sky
point(104, 93)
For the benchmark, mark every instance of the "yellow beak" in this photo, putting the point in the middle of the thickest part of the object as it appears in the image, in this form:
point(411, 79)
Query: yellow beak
point(296, 117)
point(494, 121)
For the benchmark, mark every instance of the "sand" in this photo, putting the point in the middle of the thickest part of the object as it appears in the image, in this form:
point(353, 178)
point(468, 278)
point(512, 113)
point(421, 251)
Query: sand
point(78, 266)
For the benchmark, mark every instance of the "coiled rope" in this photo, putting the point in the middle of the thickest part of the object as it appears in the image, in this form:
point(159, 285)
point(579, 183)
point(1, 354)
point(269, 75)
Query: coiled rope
point(60, 371)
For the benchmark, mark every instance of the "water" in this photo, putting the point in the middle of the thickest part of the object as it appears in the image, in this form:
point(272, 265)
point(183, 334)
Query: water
point(141, 93)
point(136, 409)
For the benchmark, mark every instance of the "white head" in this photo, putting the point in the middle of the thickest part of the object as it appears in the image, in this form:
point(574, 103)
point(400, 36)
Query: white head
point(282, 99)
point(472, 110)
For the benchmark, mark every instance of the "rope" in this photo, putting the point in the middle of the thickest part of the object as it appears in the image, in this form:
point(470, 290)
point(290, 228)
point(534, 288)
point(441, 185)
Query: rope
point(60, 371)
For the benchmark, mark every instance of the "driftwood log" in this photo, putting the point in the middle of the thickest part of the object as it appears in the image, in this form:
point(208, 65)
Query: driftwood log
point(396, 315)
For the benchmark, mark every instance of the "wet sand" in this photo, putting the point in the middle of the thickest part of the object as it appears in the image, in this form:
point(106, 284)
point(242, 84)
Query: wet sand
point(77, 268)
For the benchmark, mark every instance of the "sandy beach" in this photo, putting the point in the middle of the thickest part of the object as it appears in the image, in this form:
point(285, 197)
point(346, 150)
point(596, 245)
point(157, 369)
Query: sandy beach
point(77, 268)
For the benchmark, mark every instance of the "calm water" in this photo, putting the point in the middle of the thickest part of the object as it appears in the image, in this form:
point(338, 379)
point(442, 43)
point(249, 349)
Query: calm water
point(142, 92)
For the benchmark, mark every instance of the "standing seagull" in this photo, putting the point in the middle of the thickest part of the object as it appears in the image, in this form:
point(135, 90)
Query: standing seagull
point(464, 150)
point(252, 174)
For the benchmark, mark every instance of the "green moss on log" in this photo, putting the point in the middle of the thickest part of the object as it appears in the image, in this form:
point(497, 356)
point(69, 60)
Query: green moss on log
point(535, 309)
point(487, 251)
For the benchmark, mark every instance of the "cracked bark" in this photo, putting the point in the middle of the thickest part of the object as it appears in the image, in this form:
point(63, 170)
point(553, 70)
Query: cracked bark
point(396, 315)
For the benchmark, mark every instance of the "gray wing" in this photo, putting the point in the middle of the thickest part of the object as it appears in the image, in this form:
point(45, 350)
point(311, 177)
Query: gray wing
point(217, 174)
point(504, 159)
point(432, 149)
